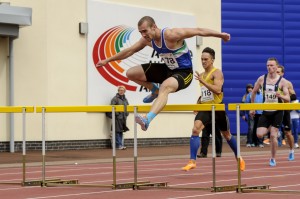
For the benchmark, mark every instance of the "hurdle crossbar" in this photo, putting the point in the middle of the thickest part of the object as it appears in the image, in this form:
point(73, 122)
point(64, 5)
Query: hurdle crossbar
point(179, 107)
point(88, 109)
point(16, 109)
point(264, 106)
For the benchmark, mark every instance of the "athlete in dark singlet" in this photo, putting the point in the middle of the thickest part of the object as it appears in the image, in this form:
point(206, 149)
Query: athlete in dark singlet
point(274, 90)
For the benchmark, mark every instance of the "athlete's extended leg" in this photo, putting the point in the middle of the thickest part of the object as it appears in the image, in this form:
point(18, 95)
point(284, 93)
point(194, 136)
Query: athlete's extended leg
point(274, 144)
point(233, 145)
point(137, 75)
point(290, 139)
point(194, 145)
point(261, 132)
point(170, 85)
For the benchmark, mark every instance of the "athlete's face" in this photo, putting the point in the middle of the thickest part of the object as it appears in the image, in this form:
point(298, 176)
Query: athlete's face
point(147, 31)
point(279, 71)
point(206, 60)
point(272, 66)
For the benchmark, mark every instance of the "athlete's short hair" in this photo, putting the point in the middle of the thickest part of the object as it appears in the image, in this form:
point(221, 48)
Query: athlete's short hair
point(149, 19)
point(274, 59)
point(282, 68)
point(209, 51)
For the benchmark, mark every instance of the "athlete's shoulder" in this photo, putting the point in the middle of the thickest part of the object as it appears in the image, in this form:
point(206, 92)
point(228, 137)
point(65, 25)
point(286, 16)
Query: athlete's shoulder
point(217, 71)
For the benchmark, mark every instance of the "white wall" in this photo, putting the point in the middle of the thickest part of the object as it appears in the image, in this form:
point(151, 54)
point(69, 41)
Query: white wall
point(50, 70)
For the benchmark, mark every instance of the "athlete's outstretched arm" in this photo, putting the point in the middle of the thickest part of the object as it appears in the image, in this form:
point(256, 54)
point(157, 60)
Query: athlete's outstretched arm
point(139, 45)
point(178, 34)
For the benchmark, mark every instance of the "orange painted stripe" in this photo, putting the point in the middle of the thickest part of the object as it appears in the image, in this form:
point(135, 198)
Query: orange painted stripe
point(110, 49)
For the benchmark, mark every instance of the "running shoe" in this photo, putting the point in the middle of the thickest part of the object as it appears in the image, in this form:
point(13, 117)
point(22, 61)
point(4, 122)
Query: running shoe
point(272, 162)
point(201, 155)
point(267, 141)
point(291, 156)
point(296, 145)
point(189, 166)
point(150, 98)
point(153, 94)
point(142, 121)
point(283, 142)
point(242, 164)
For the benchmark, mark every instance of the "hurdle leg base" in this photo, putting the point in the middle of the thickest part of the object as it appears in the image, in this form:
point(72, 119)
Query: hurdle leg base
point(62, 182)
point(128, 185)
point(36, 182)
point(226, 188)
point(244, 189)
point(48, 181)
point(150, 184)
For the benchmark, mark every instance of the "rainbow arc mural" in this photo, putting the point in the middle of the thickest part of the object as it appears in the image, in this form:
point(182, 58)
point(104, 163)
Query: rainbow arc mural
point(108, 44)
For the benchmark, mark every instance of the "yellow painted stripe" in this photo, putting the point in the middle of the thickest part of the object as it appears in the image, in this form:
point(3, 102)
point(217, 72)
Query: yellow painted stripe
point(265, 106)
point(16, 109)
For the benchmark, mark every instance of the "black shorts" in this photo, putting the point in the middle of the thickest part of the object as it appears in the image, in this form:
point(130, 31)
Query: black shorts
point(286, 121)
point(270, 118)
point(222, 121)
point(159, 72)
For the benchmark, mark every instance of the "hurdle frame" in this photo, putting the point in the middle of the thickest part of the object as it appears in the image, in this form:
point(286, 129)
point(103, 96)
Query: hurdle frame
point(130, 108)
point(178, 107)
point(67, 109)
point(258, 106)
point(23, 110)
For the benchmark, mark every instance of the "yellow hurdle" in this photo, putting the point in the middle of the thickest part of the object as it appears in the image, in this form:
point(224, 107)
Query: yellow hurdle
point(179, 107)
point(65, 109)
point(16, 109)
point(255, 106)
point(264, 106)
point(121, 108)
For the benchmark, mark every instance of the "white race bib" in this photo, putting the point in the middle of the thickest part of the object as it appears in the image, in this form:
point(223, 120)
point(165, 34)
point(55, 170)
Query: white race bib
point(270, 94)
point(206, 95)
point(270, 97)
point(169, 60)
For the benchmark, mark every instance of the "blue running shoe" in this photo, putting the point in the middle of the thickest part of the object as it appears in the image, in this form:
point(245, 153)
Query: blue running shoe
point(150, 98)
point(142, 121)
point(272, 162)
point(291, 156)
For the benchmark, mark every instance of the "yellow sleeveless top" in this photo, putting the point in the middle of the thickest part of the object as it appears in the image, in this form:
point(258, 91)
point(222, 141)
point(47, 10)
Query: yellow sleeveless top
point(207, 96)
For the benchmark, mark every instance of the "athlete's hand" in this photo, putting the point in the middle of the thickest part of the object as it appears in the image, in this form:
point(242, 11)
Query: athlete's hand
point(225, 36)
point(252, 113)
point(198, 76)
point(278, 94)
point(101, 63)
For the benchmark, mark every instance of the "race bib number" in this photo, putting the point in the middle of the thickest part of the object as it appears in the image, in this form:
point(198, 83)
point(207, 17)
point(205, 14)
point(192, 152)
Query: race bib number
point(206, 95)
point(270, 97)
point(169, 60)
